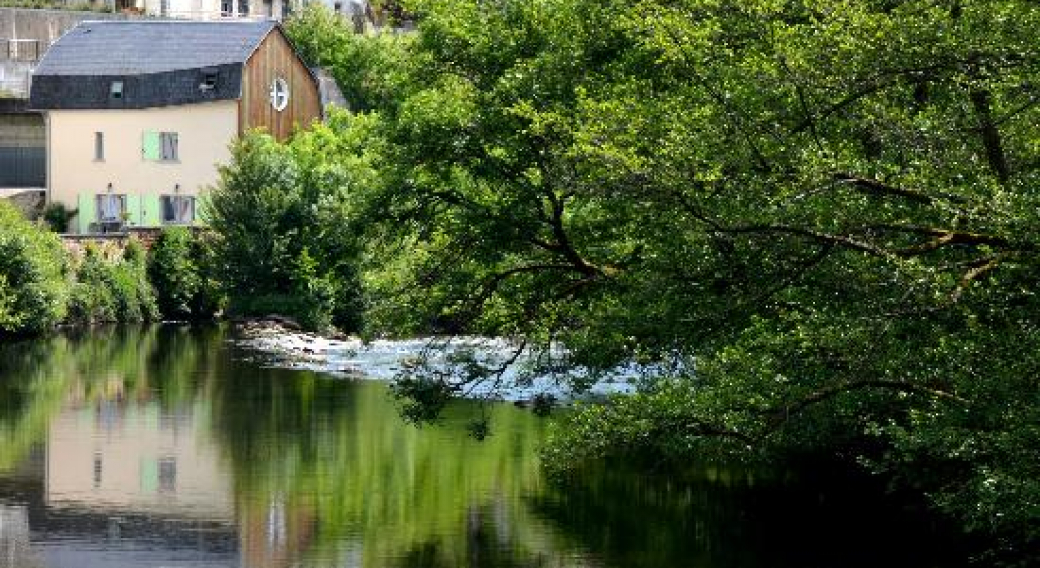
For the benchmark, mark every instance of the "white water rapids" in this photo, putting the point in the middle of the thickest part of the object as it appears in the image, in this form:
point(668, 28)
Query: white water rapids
point(385, 359)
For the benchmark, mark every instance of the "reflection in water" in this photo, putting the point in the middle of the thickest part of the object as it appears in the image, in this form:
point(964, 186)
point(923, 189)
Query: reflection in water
point(163, 447)
point(14, 538)
point(139, 457)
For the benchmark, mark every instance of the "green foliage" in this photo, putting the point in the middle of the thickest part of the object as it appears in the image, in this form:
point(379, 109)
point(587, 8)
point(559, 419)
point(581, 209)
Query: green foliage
point(316, 292)
point(32, 275)
point(109, 291)
point(829, 207)
point(816, 221)
point(253, 212)
point(173, 271)
point(282, 222)
point(57, 217)
point(368, 69)
point(8, 318)
point(180, 266)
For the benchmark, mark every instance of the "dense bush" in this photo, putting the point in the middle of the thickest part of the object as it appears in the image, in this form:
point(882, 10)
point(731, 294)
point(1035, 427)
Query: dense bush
point(310, 301)
point(57, 217)
point(110, 291)
point(180, 267)
point(33, 281)
point(282, 237)
point(368, 69)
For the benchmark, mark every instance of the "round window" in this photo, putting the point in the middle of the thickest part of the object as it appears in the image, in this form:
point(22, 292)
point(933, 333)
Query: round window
point(279, 94)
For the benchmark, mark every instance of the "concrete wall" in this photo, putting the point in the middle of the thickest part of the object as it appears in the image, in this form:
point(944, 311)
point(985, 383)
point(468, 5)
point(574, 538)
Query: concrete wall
point(25, 35)
point(204, 133)
point(22, 131)
point(45, 26)
point(22, 150)
point(15, 78)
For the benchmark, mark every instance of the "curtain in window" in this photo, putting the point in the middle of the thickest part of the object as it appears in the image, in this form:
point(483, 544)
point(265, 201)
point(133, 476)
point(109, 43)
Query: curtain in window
point(169, 214)
point(110, 208)
point(185, 210)
point(169, 145)
point(178, 209)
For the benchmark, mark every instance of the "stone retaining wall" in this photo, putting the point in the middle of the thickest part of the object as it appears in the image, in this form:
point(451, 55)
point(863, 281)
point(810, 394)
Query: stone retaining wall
point(110, 244)
point(29, 201)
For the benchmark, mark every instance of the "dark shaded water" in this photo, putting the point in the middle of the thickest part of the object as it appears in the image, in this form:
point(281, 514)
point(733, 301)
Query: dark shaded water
point(163, 447)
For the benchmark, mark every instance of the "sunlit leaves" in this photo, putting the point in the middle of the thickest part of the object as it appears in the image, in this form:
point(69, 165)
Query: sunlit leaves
point(828, 205)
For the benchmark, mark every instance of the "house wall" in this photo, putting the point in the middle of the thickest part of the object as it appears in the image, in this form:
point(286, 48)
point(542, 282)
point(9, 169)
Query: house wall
point(276, 58)
point(190, 9)
point(204, 132)
point(210, 9)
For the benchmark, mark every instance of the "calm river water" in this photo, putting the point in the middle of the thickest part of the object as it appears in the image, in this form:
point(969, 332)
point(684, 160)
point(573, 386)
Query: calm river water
point(166, 447)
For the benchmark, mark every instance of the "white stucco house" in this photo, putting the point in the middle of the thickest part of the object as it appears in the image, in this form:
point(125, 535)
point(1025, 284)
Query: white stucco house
point(139, 115)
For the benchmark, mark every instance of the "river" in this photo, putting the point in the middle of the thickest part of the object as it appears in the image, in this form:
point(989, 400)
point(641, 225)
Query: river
point(168, 447)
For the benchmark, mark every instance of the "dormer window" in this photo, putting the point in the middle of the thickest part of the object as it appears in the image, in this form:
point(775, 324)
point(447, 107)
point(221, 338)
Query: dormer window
point(209, 79)
point(116, 90)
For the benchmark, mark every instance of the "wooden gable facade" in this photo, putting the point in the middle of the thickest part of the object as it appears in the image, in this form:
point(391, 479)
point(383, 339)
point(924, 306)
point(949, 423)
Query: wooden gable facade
point(275, 58)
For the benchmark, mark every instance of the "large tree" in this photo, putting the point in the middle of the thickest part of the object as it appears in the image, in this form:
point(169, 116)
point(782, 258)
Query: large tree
point(820, 216)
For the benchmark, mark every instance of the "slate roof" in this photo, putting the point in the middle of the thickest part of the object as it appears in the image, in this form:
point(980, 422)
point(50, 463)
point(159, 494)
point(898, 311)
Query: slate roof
point(160, 63)
point(139, 47)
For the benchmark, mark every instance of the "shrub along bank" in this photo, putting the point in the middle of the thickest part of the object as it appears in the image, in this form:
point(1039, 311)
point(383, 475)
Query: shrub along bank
point(43, 286)
point(187, 275)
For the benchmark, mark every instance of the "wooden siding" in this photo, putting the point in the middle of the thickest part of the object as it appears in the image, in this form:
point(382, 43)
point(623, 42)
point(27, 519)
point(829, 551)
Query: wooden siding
point(276, 58)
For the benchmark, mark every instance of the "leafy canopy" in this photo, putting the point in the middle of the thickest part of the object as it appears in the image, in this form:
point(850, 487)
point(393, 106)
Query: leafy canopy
point(828, 208)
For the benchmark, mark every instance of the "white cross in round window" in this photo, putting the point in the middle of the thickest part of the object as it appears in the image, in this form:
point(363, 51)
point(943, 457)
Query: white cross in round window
point(279, 94)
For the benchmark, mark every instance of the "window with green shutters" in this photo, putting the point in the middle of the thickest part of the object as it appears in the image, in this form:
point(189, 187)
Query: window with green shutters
point(160, 146)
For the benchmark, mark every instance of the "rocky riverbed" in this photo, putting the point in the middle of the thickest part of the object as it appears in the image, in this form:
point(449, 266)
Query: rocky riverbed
point(279, 342)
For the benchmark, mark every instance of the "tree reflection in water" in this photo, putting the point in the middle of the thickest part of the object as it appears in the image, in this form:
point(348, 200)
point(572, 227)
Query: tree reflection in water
point(227, 463)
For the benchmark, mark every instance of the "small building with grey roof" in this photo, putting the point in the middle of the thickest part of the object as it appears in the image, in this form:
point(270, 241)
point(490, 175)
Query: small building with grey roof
point(140, 114)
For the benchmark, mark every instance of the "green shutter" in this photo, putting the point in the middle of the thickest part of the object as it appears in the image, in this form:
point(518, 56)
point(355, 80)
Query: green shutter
point(86, 212)
point(152, 213)
point(133, 208)
point(151, 148)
